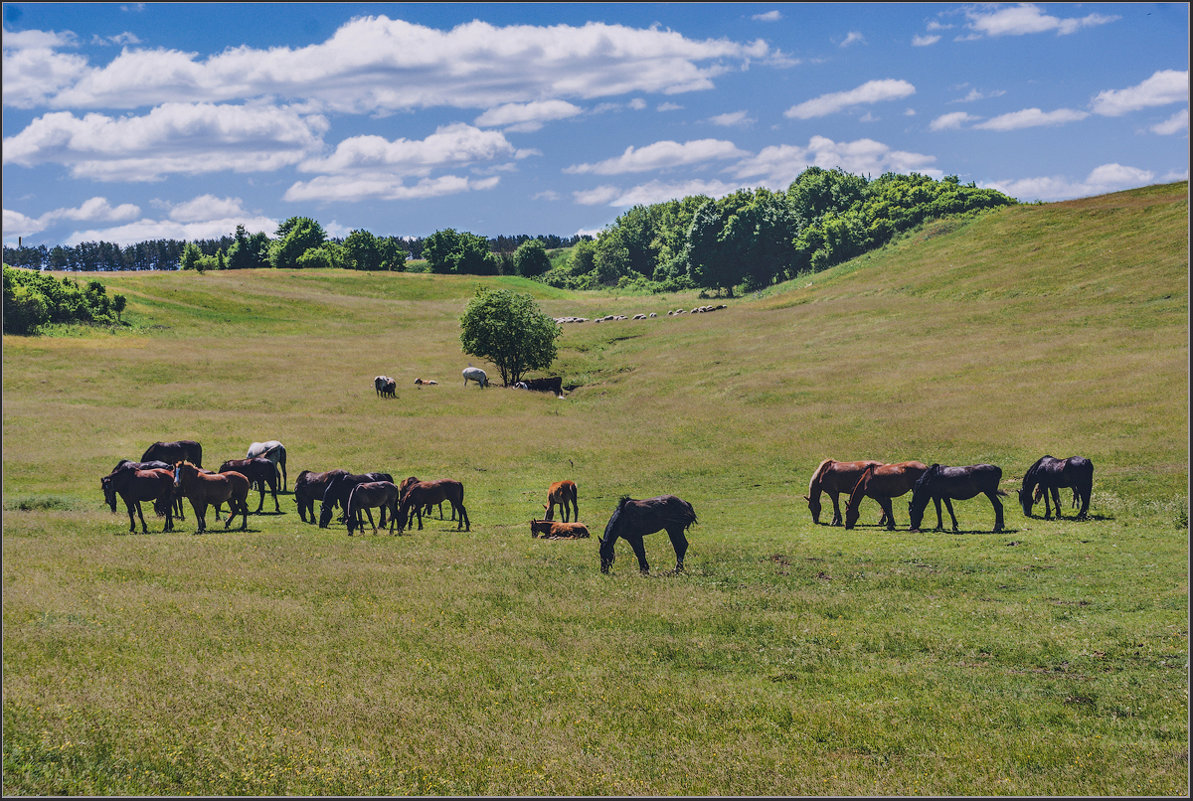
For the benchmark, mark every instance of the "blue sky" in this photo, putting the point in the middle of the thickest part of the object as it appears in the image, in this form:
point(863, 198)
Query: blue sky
point(134, 121)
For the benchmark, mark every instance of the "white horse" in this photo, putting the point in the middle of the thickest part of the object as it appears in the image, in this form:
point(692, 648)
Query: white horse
point(272, 450)
point(476, 374)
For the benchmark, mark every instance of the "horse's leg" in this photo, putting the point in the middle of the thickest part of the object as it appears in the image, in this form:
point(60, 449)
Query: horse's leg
point(462, 517)
point(680, 543)
point(888, 513)
point(200, 509)
point(640, 552)
point(939, 519)
point(132, 521)
point(998, 510)
point(1086, 492)
point(836, 510)
point(1056, 502)
point(273, 487)
point(949, 505)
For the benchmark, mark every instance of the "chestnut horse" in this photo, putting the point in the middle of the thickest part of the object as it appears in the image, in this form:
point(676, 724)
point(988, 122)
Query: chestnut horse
point(1048, 475)
point(406, 482)
point(370, 494)
point(422, 494)
point(633, 520)
point(213, 488)
point(154, 465)
point(133, 486)
point(955, 483)
point(562, 493)
point(834, 478)
point(883, 482)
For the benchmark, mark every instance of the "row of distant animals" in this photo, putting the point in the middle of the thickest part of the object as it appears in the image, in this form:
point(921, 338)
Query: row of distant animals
point(610, 317)
point(387, 386)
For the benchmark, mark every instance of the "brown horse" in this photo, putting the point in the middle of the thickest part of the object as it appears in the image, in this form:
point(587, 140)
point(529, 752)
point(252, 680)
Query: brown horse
point(177, 503)
point(368, 495)
point(424, 493)
point(834, 478)
point(562, 493)
point(261, 472)
point(213, 488)
point(134, 486)
point(406, 482)
point(883, 482)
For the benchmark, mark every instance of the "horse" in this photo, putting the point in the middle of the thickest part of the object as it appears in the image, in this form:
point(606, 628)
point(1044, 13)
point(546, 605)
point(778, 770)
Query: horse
point(133, 486)
point(883, 482)
point(369, 494)
point(260, 472)
point(562, 493)
point(337, 493)
point(379, 384)
point(213, 488)
point(421, 494)
point(476, 374)
point(272, 450)
point(406, 482)
point(834, 477)
point(633, 520)
point(175, 452)
point(955, 483)
point(1048, 475)
point(176, 502)
point(550, 530)
point(390, 390)
point(309, 486)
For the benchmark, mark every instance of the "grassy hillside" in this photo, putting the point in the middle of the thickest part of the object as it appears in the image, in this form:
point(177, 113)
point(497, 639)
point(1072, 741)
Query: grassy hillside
point(791, 658)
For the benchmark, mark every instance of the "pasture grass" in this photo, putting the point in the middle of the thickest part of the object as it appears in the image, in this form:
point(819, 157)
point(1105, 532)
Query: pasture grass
point(790, 659)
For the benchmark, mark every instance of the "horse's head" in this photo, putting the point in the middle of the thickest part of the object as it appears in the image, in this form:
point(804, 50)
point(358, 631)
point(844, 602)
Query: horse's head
point(851, 514)
point(105, 484)
point(607, 553)
point(915, 509)
point(814, 507)
point(1026, 499)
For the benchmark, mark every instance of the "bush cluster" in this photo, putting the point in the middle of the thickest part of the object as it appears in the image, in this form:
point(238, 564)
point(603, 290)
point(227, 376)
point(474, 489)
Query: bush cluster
point(33, 299)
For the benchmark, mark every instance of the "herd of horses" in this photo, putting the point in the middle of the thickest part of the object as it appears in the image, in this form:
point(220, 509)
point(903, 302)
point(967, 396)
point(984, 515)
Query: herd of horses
point(169, 472)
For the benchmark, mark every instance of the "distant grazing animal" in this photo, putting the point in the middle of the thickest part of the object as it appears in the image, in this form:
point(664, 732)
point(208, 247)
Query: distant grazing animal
point(553, 384)
point(562, 494)
point(633, 520)
point(475, 374)
point(154, 465)
point(834, 478)
point(1048, 475)
point(272, 450)
point(133, 486)
point(390, 390)
point(955, 483)
point(371, 494)
point(883, 482)
point(260, 472)
point(213, 488)
point(429, 382)
point(422, 494)
point(310, 486)
point(379, 384)
point(338, 489)
point(550, 530)
point(174, 452)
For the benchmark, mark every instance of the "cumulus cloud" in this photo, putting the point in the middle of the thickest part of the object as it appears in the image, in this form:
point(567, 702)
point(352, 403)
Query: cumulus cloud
point(33, 70)
point(18, 225)
point(1102, 179)
point(1027, 18)
point(1031, 118)
point(357, 187)
point(853, 37)
point(202, 217)
point(450, 145)
point(1162, 88)
point(925, 40)
point(661, 155)
point(975, 95)
point(652, 192)
point(951, 121)
point(207, 207)
point(96, 209)
point(525, 117)
point(732, 119)
point(1173, 125)
point(769, 16)
point(172, 138)
point(778, 165)
point(869, 92)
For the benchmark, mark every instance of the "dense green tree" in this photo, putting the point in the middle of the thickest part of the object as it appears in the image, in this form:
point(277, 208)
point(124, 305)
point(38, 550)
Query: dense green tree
point(295, 237)
point(582, 257)
point(530, 259)
point(449, 251)
point(510, 330)
point(248, 251)
point(190, 256)
point(742, 238)
point(327, 255)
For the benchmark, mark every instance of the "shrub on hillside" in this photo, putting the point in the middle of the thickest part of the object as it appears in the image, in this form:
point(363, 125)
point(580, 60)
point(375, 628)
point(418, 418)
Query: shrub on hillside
point(32, 299)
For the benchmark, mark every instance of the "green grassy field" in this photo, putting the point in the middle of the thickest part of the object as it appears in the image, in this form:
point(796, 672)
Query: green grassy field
point(790, 658)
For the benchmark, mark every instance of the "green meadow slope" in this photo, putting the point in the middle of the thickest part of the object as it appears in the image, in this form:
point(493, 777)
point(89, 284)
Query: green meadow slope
point(792, 658)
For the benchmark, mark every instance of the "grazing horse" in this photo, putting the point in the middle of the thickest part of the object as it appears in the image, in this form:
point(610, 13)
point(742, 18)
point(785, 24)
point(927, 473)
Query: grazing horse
point(370, 494)
point(272, 450)
point(834, 478)
point(175, 452)
point(133, 486)
point(476, 374)
point(310, 486)
point(213, 488)
point(955, 483)
point(406, 482)
point(883, 482)
point(1048, 475)
point(260, 472)
point(633, 520)
point(379, 384)
point(422, 494)
point(337, 492)
point(390, 389)
point(562, 493)
point(154, 465)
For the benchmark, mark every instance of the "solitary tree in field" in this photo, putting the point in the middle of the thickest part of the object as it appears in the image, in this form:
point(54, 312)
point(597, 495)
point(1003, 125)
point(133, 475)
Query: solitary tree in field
point(508, 329)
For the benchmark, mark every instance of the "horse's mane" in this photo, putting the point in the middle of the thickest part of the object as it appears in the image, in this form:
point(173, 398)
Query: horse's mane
point(816, 476)
point(922, 480)
point(861, 481)
point(1030, 475)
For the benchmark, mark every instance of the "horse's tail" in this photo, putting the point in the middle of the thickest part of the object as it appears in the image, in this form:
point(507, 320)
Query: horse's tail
point(814, 484)
point(860, 487)
point(348, 507)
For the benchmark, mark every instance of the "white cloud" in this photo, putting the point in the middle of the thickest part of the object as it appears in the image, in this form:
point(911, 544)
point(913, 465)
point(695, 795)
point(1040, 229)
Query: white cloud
point(149, 229)
point(869, 92)
point(1162, 88)
point(669, 107)
point(96, 209)
point(32, 69)
point(173, 138)
point(652, 192)
point(521, 114)
point(853, 37)
point(778, 165)
point(975, 95)
point(1026, 18)
point(1031, 118)
point(925, 40)
point(207, 207)
point(731, 119)
point(357, 187)
point(951, 121)
point(1173, 125)
point(121, 39)
point(661, 155)
point(769, 16)
point(451, 145)
point(17, 225)
point(1102, 179)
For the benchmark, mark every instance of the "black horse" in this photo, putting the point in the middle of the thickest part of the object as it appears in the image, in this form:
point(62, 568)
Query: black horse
point(308, 488)
point(338, 490)
point(955, 483)
point(1048, 475)
point(633, 520)
point(184, 450)
point(261, 472)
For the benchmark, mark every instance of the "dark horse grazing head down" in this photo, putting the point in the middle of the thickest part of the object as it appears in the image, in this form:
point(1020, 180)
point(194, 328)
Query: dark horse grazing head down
point(633, 520)
point(955, 483)
point(1048, 475)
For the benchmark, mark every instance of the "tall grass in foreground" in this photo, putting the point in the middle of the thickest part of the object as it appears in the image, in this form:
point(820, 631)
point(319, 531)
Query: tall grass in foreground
point(791, 659)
